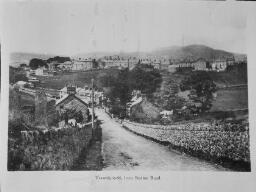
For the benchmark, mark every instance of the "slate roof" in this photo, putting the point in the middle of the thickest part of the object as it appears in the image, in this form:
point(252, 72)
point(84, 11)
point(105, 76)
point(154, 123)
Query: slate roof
point(61, 100)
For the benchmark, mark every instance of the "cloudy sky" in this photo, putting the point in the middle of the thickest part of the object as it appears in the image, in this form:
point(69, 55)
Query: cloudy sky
point(69, 28)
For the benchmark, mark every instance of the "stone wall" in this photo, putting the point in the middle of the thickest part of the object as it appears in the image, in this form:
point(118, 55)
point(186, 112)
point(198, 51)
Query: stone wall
point(206, 140)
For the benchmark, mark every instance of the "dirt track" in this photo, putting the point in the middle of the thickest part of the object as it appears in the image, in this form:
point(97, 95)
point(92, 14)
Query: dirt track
point(123, 150)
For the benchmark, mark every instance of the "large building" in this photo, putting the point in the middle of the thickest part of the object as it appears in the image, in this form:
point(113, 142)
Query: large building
point(82, 64)
point(200, 65)
point(67, 66)
point(218, 65)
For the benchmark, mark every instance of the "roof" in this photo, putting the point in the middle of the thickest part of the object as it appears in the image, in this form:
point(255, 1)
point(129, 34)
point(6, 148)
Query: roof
point(61, 100)
point(166, 112)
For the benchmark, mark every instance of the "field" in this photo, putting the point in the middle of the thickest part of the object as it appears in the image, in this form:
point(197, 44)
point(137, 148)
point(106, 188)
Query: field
point(78, 78)
point(231, 99)
point(235, 77)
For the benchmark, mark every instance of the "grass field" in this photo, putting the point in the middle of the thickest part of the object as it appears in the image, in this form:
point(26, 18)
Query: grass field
point(78, 78)
point(228, 78)
point(231, 99)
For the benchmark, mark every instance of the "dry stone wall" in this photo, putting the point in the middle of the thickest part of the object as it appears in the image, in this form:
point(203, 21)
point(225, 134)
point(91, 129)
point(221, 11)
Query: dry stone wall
point(208, 139)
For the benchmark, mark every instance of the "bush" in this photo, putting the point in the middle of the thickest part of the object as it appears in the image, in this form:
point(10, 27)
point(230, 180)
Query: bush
point(50, 151)
point(36, 63)
point(17, 75)
point(204, 87)
point(142, 77)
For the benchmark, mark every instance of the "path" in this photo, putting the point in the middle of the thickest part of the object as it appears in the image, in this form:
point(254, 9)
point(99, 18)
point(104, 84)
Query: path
point(123, 150)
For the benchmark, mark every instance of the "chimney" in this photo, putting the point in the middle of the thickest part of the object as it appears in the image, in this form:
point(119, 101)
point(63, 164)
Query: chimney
point(71, 89)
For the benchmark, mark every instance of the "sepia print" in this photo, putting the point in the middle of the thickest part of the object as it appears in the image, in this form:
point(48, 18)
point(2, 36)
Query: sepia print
point(131, 86)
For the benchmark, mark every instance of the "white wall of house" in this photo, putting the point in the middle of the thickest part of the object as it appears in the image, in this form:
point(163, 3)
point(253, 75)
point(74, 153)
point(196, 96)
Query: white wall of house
point(39, 71)
point(172, 68)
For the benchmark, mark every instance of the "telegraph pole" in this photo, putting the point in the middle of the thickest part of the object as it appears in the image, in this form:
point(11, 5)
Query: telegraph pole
point(92, 103)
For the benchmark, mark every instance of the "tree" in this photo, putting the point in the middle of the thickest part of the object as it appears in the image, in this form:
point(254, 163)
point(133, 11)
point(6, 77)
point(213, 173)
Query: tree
point(95, 64)
point(23, 65)
point(36, 63)
point(145, 78)
point(20, 77)
point(16, 74)
point(204, 87)
point(58, 59)
point(175, 103)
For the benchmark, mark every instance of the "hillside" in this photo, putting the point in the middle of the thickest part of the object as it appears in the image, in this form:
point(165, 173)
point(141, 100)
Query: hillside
point(195, 51)
point(174, 52)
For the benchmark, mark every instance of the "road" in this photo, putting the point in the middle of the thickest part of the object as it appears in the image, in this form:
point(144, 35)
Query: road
point(123, 150)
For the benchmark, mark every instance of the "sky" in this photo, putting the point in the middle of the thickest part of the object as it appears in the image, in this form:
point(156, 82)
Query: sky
point(73, 27)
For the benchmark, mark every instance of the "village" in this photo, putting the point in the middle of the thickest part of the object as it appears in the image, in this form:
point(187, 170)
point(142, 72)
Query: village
point(58, 96)
point(52, 68)
point(134, 95)
point(171, 65)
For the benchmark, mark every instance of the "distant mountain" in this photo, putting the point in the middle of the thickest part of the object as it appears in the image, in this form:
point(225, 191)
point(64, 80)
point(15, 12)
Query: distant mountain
point(102, 54)
point(195, 51)
point(18, 58)
point(94, 54)
point(173, 52)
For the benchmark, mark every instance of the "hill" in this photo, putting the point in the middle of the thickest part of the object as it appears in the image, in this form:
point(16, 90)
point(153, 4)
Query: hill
point(195, 51)
point(173, 52)
point(102, 54)
point(18, 58)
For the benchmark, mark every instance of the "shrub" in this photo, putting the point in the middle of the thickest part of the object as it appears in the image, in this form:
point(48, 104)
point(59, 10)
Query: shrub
point(50, 151)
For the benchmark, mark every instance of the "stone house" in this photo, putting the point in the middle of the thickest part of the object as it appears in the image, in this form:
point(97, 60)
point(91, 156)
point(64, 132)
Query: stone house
point(219, 65)
point(82, 64)
point(71, 102)
point(200, 65)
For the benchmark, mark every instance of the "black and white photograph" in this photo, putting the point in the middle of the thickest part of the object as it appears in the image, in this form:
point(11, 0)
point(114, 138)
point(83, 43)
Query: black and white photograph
point(131, 86)
point(127, 95)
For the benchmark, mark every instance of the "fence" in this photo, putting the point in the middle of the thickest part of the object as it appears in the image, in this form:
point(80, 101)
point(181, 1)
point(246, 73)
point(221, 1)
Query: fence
point(205, 140)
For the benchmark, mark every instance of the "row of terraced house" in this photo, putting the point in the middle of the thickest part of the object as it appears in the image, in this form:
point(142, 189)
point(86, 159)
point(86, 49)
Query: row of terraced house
point(171, 65)
point(201, 64)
